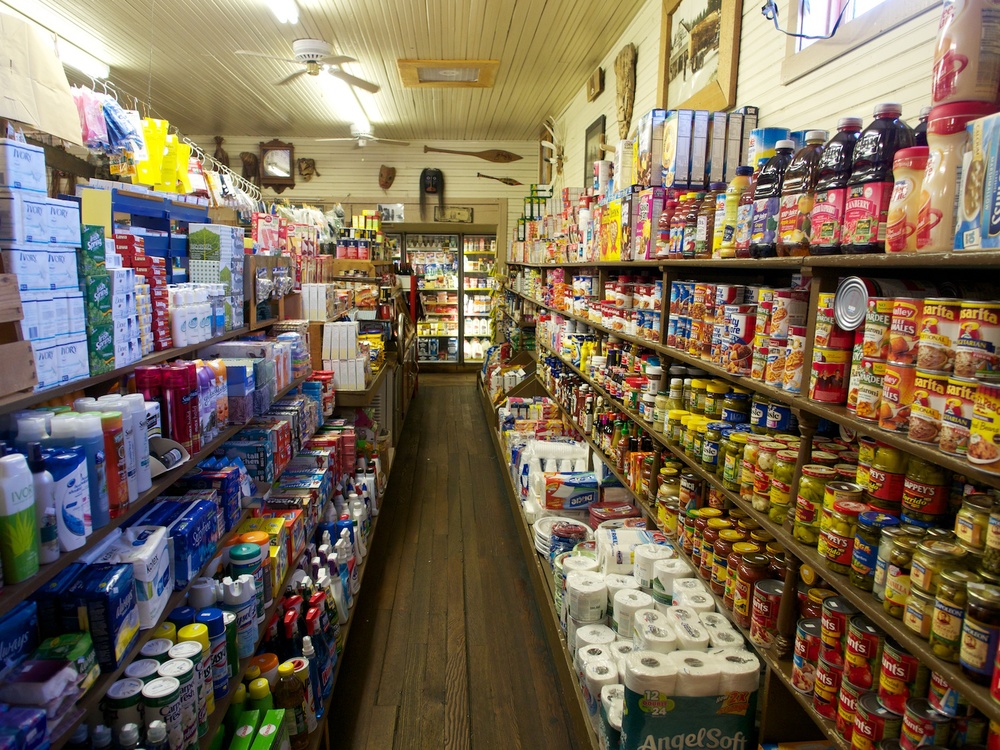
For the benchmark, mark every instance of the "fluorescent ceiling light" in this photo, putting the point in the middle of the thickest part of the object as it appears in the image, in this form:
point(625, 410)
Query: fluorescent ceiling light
point(72, 56)
point(286, 11)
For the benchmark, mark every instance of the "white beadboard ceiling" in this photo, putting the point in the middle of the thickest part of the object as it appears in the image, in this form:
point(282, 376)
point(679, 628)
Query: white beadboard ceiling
point(182, 52)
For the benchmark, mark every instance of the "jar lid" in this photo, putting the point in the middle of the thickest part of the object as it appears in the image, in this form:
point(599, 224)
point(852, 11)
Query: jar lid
point(983, 502)
point(943, 549)
point(818, 471)
point(788, 456)
point(740, 438)
point(761, 536)
point(948, 119)
point(702, 427)
point(818, 595)
point(731, 535)
point(960, 576)
point(718, 425)
point(757, 560)
point(914, 157)
point(719, 523)
point(710, 512)
point(849, 507)
point(743, 171)
point(716, 387)
point(906, 542)
point(746, 548)
point(772, 447)
point(850, 123)
point(824, 457)
point(775, 548)
point(984, 595)
point(669, 471)
point(677, 413)
point(873, 519)
point(698, 383)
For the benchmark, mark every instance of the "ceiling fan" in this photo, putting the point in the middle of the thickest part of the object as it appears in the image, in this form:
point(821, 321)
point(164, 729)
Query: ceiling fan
point(316, 56)
point(362, 135)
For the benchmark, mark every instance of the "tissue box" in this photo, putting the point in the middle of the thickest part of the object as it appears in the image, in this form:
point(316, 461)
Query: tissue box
point(22, 166)
point(31, 266)
point(62, 220)
point(145, 549)
point(18, 634)
point(106, 605)
point(22, 217)
point(193, 534)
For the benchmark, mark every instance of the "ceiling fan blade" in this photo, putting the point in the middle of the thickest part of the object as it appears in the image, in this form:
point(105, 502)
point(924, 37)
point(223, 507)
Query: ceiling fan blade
point(292, 77)
point(390, 141)
point(248, 53)
point(361, 83)
point(331, 140)
point(337, 60)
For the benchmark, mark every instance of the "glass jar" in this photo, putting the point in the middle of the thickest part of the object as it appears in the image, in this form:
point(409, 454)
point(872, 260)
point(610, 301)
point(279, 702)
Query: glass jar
point(991, 558)
point(698, 445)
point(823, 458)
point(871, 524)
point(736, 407)
point(728, 539)
point(686, 432)
point(661, 408)
point(886, 476)
point(752, 570)
point(758, 414)
point(732, 465)
point(980, 631)
point(668, 511)
point(715, 393)
point(847, 472)
point(897, 576)
point(919, 612)
point(674, 427)
point(750, 455)
point(710, 446)
point(687, 540)
point(668, 482)
point(840, 535)
point(712, 530)
point(758, 535)
point(698, 393)
point(782, 477)
point(732, 568)
point(813, 605)
point(972, 524)
point(809, 502)
point(949, 610)
point(926, 488)
point(700, 522)
point(776, 556)
point(931, 558)
point(767, 455)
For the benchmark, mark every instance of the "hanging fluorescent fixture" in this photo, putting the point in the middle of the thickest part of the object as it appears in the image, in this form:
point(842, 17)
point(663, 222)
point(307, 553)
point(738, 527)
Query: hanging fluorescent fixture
point(286, 11)
point(72, 56)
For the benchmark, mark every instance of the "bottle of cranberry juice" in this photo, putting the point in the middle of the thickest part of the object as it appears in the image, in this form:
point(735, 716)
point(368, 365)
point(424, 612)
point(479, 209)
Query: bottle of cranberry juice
point(832, 174)
point(797, 194)
point(767, 201)
point(870, 187)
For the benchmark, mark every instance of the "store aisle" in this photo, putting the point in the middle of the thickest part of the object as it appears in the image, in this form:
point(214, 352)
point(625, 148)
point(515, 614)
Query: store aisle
point(447, 649)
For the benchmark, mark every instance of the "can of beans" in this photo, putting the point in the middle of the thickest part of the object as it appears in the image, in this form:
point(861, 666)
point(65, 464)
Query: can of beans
point(847, 700)
point(123, 702)
point(161, 700)
point(944, 698)
point(764, 617)
point(956, 416)
point(904, 330)
point(863, 654)
point(901, 677)
point(873, 722)
point(929, 389)
point(806, 654)
point(897, 396)
point(922, 725)
point(826, 687)
point(837, 611)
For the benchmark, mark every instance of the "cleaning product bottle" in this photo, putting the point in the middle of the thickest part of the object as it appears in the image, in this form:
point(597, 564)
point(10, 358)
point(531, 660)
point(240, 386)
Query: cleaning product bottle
point(18, 529)
point(312, 705)
point(178, 319)
point(156, 735)
point(48, 549)
point(240, 598)
point(89, 436)
point(102, 737)
point(290, 695)
point(205, 315)
point(114, 462)
point(767, 201)
point(309, 654)
point(259, 696)
point(325, 651)
point(71, 493)
point(128, 737)
point(832, 174)
point(344, 566)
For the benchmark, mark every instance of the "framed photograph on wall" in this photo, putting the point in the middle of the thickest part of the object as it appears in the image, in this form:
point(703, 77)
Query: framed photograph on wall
point(592, 149)
point(699, 54)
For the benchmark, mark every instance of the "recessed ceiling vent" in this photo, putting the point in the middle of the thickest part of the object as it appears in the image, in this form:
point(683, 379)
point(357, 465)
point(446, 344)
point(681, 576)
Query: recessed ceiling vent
point(469, 74)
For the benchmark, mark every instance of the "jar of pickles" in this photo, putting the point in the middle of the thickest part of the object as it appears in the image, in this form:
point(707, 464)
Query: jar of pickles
point(919, 612)
point(839, 537)
point(732, 464)
point(750, 455)
point(728, 538)
point(886, 477)
point(736, 407)
point(930, 559)
point(781, 480)
point(949, 609)
point(766, 457)
point(698, 393)
point(740, 549)
point(687, 431)
point(710, 446)
point(758, 414)
point(925, 493)
point(972, 524)
point(809, 502)
point(715, 394)
point(897, 576)
point(698, 443)
point(991, 558)
point(675, 428)
point(866, 544)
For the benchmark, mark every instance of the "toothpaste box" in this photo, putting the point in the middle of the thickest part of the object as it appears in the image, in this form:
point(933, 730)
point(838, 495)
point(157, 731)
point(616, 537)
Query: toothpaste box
point(145, 549)
point(22, 166)
point(62, 268)
point(93, 251)
point(31, 266)
point(301, 500)
point(106, 605)
point(18, 634)
point(62, 220)
point(22, 217)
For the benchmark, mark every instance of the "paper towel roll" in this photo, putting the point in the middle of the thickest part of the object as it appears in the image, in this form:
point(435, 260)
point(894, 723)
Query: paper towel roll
point(715, 621)
point(691, 635)
point(588, 654)
point(643, 559)
point(651, 631)
point(648, 670)
point(586, 596)
point(627, 603)
point(698, 674)
point(615, 583)
point(592, 635)
point(599, 674)
point(669, 571)
point(699, 601)
point(724, 638)
point(740, 672)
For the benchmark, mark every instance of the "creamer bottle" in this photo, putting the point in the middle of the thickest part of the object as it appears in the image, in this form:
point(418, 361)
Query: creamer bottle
point(966, 62)
point(727, 227)
point(833, 172)
point(18, 529)
point(901, 228)
point(797, 196)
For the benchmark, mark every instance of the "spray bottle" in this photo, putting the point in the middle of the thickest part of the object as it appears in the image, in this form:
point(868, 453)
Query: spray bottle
point(45, 515)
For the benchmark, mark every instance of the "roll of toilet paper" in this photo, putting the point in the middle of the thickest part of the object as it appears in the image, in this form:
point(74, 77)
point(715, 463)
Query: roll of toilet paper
point(669, 571)
point(599, 674)
point(644, 558)
point(661, 607)
point(698, 674)
point(680, 613)
point(579, 563)
point(615, 583)
point(648, 670)
point(688, 586)
point(718, 638)
point(589, 654)
point(627, 603)
point(612, 695)
point(586, 596)
point(615, 719)
point(691, 635)
point(651, 631)
point(619, 650)
point(592, 635)
point(612, 702)
point(714, 621)
point(739, 672)
point(699, 601)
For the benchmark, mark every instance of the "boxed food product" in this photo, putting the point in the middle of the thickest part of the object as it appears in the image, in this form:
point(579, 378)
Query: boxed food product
point(677, 148)
point(978, 220)
point(649, 148)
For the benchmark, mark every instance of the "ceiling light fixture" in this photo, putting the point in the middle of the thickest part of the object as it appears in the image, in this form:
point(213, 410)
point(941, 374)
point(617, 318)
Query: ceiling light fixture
point(73, 57)
point(346, 102)
point(286, 11)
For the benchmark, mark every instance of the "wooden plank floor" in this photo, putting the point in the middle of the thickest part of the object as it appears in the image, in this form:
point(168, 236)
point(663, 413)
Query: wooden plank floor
point(448, 649)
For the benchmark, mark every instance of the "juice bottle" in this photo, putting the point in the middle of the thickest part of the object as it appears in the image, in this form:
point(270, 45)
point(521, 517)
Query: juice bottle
point(678, 224)
point(744, 215)
point(831, 187)
point(735, 191)
point(290, 695)
point(870, 187)
point(767, 201)
point(797, 193)
point(718, 223)
point(920, 132)
point(691, 224)
point(706, 221)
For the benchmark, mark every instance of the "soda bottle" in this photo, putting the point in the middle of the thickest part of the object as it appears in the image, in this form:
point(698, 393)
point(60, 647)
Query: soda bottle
point(706, 221)
point(767, 201)
point(727, 227)
point(691, 223)
point(797, 193)
point(832, 173)
point(870, 187)
point(744, 215)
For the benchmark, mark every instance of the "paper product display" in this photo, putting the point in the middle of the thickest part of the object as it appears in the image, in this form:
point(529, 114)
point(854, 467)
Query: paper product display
point(651, 631)
point(627, 603)
point(645, 557)
point(599, 674)
point(586, 596)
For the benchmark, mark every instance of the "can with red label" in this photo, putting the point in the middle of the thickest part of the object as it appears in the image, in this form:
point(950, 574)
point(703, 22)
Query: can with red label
point(944, 698)
point(863, 655)
point(902, 676)
point(904, 330)
point(806, 654)
point(837, 611)
point(764, 617)
point(847, 700)
point(827, 684)
point(873, 722)
point(922, 725)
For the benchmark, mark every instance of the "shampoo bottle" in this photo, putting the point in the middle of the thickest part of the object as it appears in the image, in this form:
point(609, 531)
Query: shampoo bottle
point(18, 529)
point(45, 516)
point(68, 467)
point(90, 437)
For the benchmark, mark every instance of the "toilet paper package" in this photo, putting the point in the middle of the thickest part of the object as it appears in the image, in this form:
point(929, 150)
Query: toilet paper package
point(599, 673)
point(644, 558)
point(627, 603)
point(619, 650)
point(652, 631)
point(650, 673)
point(699, 601)
point(591, 635)
point(586, 596)
point(588, 654)
point(615, 547)
point(193, 532)
point(691, 635)
point(615, 582)
point(145, 549)
point(698, 673)
point(667, 572)
point(612, 702)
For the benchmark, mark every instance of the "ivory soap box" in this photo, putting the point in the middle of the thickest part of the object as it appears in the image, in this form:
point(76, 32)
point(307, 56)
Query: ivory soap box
point(22, 166)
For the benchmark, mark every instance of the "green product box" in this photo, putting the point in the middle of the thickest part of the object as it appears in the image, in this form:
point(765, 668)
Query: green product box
point(91, 260)
point(97, 300)
point(101, 348)
point(75, 648)
point(273, 734)
point(246, 731)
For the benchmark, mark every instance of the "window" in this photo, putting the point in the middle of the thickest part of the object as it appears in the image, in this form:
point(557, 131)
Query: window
point(817, 17)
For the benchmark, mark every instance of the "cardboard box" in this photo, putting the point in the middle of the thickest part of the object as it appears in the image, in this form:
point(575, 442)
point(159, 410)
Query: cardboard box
point(62, 219)
point(650, 206)
point(93, 251)
point(273, 732)
point(677, 148)
point(22, 166)
point(734, 144)
point(699, 149)
point(101, 348)
point(23, 217)
point(717, 149)
point(31, 266)
point(97, 301)
point(978, 216)
point(63, 268)
point(649, 148)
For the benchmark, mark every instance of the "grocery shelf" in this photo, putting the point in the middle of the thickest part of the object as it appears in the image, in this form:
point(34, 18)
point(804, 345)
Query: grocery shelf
point(364, 397)
point(437, 335)
point(480, 289)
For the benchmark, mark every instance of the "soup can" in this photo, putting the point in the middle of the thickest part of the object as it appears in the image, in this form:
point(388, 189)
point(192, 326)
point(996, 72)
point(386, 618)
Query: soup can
point(897, 396)
point(944, 698)
point(791, 380)
point(836, 614)
point(956, 417)
point(902, 676)
point(873, 722)
point(984, 434)
point(740, 321)
point(774, 367)
point(847, 701)
point(806, 654)
point(826, 686)
point(764, 617)
point(923, 725)
point(904, 330)
point(929, 389)
point(863, 653)
point(123, 702)
point(161, 700)
point(939, 327)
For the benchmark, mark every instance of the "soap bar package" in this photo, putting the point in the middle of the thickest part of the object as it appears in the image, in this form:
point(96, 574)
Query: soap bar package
point(22, 217)
point(106, 606)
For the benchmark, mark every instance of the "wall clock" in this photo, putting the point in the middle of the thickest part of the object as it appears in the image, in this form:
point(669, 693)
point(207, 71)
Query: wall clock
point(277, 160)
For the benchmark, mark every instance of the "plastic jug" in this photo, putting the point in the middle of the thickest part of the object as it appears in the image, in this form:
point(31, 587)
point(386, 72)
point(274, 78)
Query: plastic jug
point(767, 201)
point(797, 196)
point(832, 174)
